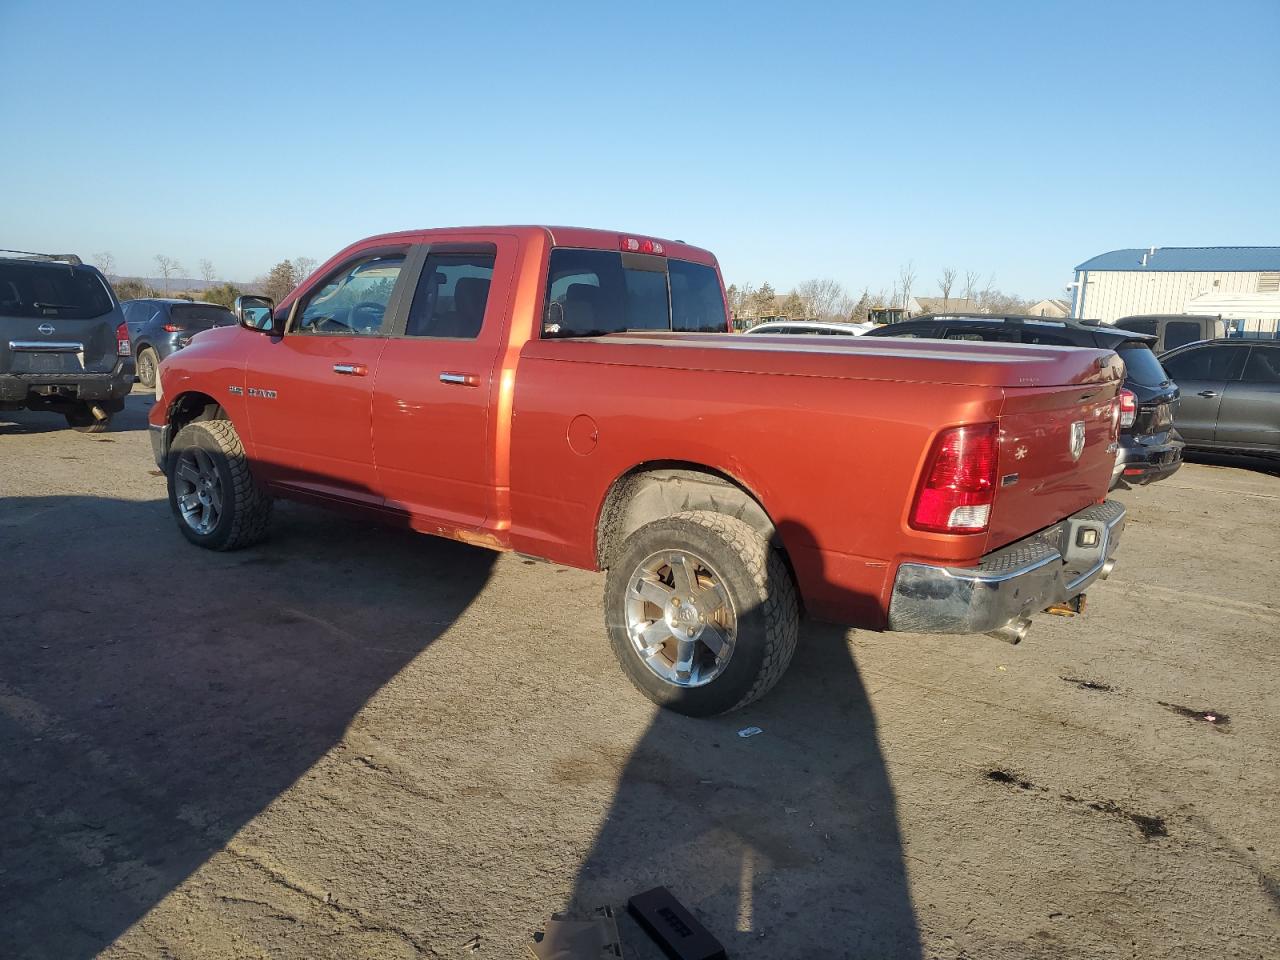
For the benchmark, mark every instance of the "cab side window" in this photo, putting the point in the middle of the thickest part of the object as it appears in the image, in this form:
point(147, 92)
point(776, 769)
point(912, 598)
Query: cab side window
point(353, 299)
point(1179, 332)
point(1207, 363)
point(452, 293)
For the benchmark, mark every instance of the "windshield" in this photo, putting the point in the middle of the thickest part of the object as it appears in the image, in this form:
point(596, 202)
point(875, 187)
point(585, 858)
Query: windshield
point(1141, 365)
point(52, 290)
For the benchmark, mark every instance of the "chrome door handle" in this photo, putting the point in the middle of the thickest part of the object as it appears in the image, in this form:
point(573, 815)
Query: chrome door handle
point(350, 369)
point(460, 379)
point(1207, 394)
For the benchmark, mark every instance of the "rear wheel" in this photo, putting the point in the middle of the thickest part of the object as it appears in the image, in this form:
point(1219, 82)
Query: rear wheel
point(82, 420)
point(211, 490)
point(701, 613)
point(148, 364)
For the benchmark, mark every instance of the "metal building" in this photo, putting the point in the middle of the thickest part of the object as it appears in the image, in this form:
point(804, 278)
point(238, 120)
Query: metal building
point(1165, 279)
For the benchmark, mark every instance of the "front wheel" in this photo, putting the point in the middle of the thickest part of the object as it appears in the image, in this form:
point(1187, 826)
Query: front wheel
point(211, 492)
point(701, 613)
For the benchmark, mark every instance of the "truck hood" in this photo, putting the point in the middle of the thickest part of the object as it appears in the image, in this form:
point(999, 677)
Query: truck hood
point(1009, 365)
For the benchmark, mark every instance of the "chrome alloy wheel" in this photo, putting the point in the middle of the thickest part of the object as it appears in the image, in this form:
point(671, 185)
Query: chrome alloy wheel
point(680, 619)
point(199, 490)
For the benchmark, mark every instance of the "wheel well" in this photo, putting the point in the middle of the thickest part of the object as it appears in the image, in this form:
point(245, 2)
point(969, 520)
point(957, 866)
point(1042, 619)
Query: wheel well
point(652, 491)
point(190, 407)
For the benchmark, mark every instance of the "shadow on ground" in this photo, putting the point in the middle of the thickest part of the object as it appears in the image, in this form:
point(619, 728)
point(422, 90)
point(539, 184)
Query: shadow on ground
point(135, 741)
point(785, 843)
point(1264, 465)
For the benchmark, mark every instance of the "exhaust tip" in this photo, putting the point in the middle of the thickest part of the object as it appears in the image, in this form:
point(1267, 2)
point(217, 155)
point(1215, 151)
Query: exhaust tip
point(1106, 569)
point(1012, 632)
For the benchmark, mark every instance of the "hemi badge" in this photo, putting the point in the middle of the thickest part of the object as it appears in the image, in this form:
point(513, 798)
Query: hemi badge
point(1008, 480)
point(236, 391)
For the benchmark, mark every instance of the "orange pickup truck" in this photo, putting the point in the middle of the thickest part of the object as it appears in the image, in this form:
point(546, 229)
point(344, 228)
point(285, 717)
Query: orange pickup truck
point(575, 395)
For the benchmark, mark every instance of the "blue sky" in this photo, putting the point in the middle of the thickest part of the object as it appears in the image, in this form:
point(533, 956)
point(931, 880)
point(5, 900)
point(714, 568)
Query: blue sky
point(793, 140)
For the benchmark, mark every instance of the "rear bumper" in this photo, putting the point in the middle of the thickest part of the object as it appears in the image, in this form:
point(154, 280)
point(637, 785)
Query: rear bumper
point(17, 387)
point(1011, 584)
point(1143, 461)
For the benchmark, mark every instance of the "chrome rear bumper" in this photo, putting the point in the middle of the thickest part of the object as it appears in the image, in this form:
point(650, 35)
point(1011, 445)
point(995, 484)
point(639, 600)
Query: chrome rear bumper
point(1012, 583)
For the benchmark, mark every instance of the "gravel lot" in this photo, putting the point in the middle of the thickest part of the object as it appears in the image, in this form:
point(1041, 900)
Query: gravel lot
point(358, 742)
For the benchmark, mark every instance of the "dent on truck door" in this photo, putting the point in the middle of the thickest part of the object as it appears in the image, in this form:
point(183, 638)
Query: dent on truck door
point(436, 388)
point(309, 393)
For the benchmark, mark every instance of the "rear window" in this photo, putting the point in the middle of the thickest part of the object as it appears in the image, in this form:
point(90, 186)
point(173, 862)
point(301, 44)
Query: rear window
point(52, 290)
point(202, 313)
point(1137, 326)
point(1141, 365)
point(1180, 332)
point(594, 292)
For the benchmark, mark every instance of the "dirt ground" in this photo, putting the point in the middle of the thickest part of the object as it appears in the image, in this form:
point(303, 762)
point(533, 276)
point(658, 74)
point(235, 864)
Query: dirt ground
point(358, 742)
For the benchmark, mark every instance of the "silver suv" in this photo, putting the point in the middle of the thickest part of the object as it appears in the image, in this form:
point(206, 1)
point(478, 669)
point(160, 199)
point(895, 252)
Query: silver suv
point(64, 346)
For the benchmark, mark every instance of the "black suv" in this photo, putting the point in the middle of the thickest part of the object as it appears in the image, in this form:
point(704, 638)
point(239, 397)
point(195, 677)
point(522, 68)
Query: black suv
point(63, 342)
point(1150, 448)
point(159, 326)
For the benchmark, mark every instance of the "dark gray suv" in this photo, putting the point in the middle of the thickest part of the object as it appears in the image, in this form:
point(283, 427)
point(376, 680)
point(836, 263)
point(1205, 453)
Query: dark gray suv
point(63, 342)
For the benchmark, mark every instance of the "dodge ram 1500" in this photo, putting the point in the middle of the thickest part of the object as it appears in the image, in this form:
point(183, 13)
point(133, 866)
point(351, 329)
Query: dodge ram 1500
point(576, 395)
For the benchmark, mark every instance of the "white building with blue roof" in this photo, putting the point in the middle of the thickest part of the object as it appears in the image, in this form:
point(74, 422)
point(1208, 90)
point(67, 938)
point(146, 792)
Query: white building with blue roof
point(1166, 279)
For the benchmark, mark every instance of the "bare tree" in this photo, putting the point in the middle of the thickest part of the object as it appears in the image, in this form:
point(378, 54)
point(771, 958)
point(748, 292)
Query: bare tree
point(819, 298)
point(302, 267)
point(970, 284)
point(907, 279)
point(207, 271)
point(167, 266)
point(945, 283)
point(106, 262)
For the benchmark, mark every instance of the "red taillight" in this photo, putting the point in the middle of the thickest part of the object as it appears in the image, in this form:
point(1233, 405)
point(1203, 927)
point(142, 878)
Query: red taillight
point(122, 341)
point(636, 245)
point(173, 328)
point(960, 481)
point(1128, 408)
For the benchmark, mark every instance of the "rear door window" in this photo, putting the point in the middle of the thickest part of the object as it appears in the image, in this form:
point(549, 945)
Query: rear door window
point(1222, 362)
point(595, 292)
point(453, 291)
point(1263, 366)
point(1179, 332)
point(53, 291)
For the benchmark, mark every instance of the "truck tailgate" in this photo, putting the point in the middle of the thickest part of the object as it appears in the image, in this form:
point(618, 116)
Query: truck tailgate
point(1045, 472)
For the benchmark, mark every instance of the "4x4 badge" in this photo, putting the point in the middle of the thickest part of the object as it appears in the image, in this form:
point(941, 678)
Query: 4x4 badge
point(1077, 439)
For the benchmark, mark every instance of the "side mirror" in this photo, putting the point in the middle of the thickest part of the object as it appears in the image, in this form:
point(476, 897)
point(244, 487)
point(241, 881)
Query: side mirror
point(255, 313)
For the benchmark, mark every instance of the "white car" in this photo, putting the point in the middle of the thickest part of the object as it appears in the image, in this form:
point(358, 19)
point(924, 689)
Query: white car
point(812, 327)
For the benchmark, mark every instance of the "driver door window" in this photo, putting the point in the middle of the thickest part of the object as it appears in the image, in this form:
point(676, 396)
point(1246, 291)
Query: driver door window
point(352, 300)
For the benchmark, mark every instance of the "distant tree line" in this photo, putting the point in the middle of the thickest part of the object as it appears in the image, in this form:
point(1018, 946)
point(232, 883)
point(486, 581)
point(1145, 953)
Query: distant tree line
point(826, 299)
point(277, 283)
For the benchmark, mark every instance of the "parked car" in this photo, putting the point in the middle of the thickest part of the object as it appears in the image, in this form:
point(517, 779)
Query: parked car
point(63, 343)
point(1150, 447)
point(1173, 330)
point(812, 327)
point(159, 326)
point(574, 395)
point(1230, 395)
